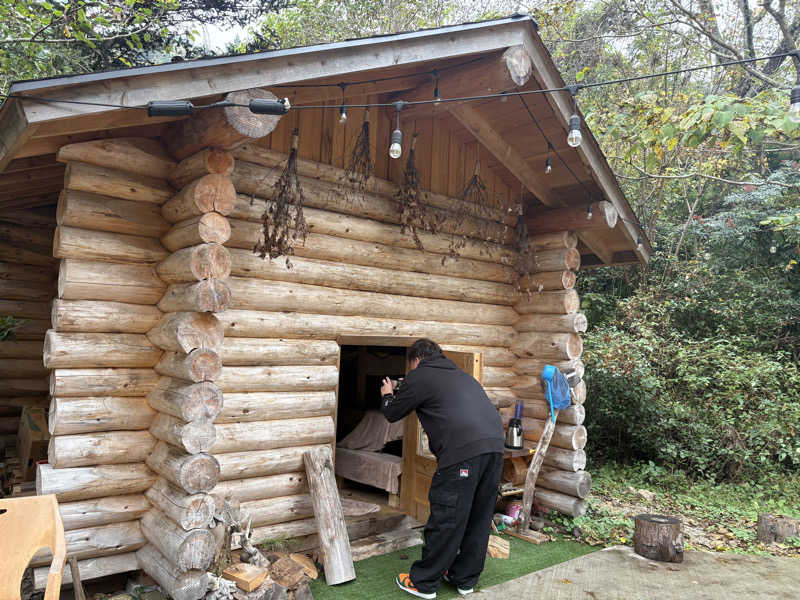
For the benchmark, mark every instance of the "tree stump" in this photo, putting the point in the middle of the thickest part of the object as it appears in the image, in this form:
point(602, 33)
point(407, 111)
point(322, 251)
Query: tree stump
point(774, 530)
point(658, 538)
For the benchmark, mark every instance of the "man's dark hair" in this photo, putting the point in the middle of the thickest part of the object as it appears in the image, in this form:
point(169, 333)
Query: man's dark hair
point(423, 349)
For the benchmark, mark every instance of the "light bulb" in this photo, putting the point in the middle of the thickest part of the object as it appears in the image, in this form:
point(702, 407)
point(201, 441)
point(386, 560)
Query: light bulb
point(396, 147)
point(589, 213)
point(773, 248)
point(574, 137)
point(794, 109)
point(707, 255)
point(548, 166)
point(343, 115)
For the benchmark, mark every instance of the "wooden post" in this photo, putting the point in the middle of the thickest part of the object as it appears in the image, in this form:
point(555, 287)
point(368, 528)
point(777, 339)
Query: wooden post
point(338, 561)
point(658, 538)
point(533, 473)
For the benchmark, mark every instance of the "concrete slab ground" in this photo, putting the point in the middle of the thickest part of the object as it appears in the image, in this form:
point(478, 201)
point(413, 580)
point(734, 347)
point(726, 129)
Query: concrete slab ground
point(617, 573)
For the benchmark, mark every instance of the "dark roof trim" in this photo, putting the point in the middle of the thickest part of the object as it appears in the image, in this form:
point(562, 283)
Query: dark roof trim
point(48, 82)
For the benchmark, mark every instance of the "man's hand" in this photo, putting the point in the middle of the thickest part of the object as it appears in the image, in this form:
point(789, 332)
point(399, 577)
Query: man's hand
point(387, 387)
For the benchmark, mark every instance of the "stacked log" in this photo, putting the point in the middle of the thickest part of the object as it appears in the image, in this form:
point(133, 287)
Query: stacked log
point(102, 363)
point(548, 332)
point(187, 397)
point(27, 285)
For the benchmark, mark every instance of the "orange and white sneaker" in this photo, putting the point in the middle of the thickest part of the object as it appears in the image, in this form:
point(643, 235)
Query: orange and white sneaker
point(404, 583)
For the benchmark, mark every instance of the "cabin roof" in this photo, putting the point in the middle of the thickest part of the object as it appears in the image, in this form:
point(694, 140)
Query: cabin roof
point(32, 129)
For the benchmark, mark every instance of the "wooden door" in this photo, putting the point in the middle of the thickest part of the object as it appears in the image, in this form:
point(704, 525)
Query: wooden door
point(419, 464)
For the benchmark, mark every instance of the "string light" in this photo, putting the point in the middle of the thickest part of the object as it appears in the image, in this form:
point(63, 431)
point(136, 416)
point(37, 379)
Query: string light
point(343, 108)
point(436, 96)
point(589, 211)
point(774, 247)
point(574, 136)
point(548, 164)
point(794, 104)
point(396, 146)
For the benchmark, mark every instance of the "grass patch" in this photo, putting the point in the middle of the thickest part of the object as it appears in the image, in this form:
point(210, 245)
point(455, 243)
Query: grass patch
point(375, 576)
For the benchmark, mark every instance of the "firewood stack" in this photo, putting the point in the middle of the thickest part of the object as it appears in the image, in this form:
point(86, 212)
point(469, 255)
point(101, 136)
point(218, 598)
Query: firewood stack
point(548, 332)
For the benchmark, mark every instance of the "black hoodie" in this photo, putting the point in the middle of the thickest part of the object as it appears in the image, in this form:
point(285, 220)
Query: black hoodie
point(453, 408)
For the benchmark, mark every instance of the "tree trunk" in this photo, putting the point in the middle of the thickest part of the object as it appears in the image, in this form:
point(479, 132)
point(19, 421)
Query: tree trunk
point(117, 282)
point(206, 261)
point(658, 538)
point(106, 413)
point(193, 437)
point(205, 162)
point(102, 213)
point(207, 228)
point(102, 382)
point(265, 435)
point(187, 401)
point(337, 561)
point(193, 473)
point(189, 511)
point(84, 483)
point(104, 448)
point(97, 316)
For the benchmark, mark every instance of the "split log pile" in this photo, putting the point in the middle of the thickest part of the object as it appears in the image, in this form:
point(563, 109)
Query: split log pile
point(102, 365)
point(27, 285)
point(548, 332)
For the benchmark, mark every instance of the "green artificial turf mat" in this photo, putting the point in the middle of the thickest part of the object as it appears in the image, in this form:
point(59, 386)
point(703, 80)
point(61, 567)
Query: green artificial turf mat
point(375, 576)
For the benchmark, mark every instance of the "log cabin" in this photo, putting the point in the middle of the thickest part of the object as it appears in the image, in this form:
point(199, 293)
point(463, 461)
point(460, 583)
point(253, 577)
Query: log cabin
point(175, 367)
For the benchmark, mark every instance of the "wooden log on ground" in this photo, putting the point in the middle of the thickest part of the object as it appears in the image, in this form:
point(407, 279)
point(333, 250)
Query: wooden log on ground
point(587, 217)
point(207, 228)
point(571, 483)
point(91, 568)
point(103, 213)
point(560, 346)
point(93, 542)
point(658, 537)
point(557, 303)
point(278, 379)
point(265, 406)
point(262, 295)
point(22, 367)
point(105, 413)
point(190, 585)
point(26, 272)
point(574, 414)
point(253, 179)
point(253, 153)
point(84, 483)
point(92, 350)
point(206, 261)
point(210, 193)
point(23, 309)
point(534, 366)
point(253, 464)
point(210, 295)
point(573, 323)
point(315, 271)
point(246, 323)
point(568, 505)
point(84, 177)
point(87, 244)
point(187, 550)
point(143, 156)
point(774, 529)
point(187, 331)
point(117, 282)
point(16, 349)
point(102, 382)
point(29, 255)
point(265, 435)
point(566, 460)
point(99, 448)
point(204, 162)
point(23, 387)
point(258, 488)
point(569, 437)
point(187, 401)
point(224, 128)
point(552, 241)
point(12, 289)
point(263, 352)
point(194, 437)
point(98, 316)
point(102, 511)
point(194, 473)
point(381, 255)
point(198, 365)
point(189, 511)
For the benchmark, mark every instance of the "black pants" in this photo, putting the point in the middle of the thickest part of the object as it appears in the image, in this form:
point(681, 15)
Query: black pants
point(462, 498)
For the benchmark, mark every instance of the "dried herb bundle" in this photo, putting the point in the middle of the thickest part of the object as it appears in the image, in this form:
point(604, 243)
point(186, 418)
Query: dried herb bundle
point(361, 167)
point(283, 221)
point(475, 192)
point(413, 213)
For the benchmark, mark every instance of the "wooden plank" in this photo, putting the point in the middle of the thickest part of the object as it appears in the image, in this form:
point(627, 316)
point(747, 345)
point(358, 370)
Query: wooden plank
point(338, 561)
point(15, 130)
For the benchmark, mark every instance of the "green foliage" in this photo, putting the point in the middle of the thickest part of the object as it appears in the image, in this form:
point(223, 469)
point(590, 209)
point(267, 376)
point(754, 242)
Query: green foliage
point(7, 327)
